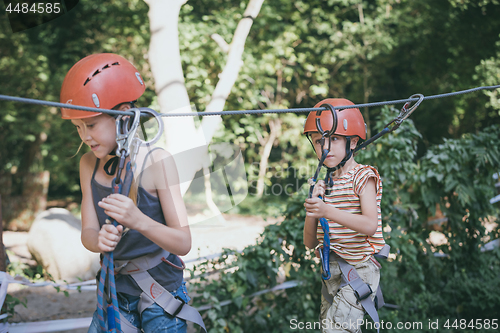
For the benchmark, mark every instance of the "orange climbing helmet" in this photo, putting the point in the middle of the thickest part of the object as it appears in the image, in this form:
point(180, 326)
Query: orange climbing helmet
point(345, 122)
point(101, 80)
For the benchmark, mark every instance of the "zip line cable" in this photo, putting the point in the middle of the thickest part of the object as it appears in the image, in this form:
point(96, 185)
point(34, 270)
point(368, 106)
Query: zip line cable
point(228, 113)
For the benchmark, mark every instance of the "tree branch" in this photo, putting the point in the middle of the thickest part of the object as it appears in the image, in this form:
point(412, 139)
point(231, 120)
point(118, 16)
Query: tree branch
point(221, 42)
point(230, 73)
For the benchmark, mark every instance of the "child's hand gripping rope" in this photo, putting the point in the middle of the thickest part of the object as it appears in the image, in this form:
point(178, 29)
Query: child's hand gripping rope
point(314, 208)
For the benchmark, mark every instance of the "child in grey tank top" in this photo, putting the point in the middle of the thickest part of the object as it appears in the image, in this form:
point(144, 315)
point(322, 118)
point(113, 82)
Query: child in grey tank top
point(154, 215)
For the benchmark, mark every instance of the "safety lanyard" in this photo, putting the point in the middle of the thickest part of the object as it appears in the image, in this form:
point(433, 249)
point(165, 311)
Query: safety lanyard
point(324, 252)
point(128, 145)
point(405, 112)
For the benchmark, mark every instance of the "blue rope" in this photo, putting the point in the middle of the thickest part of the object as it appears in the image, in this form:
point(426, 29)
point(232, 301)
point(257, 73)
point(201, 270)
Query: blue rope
point(325, 250)
point(325, 258)
point(113, 317)
point(107, 271)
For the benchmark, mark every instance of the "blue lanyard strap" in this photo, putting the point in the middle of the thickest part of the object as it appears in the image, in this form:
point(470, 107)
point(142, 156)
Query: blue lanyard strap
point(107, 277)
point(110, 302)
point(325, 249)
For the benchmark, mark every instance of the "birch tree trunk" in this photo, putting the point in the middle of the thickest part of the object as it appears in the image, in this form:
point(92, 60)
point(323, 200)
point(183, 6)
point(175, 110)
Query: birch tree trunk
point(181, 135)
point(275, 130)
point(166, 67)
point(230, 73)
point(165, 60)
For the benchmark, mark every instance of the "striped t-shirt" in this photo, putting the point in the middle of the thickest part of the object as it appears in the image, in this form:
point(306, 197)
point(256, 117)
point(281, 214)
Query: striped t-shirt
point(351, 245)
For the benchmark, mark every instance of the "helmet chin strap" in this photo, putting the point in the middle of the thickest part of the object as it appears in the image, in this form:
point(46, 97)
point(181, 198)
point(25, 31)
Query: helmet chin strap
point(112, 163)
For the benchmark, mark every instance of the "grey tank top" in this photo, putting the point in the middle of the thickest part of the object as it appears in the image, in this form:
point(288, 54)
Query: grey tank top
point(133, 244)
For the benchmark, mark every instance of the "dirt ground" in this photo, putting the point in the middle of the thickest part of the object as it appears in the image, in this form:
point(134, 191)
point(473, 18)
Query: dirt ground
point(209, 237)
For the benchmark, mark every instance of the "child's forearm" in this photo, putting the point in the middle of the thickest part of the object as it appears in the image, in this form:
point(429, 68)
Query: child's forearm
point(89, 239)
point(361, 223)
point(175, 240)
point(310, 232)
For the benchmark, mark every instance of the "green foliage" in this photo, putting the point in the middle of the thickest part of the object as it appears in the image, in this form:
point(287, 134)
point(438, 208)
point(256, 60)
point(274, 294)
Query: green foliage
point(33, 64)
point(300, 52)
point(277, 257)
point(297, 53)
point(9, 305)
point(30, 273)
point(454, 178)
point(453, 181)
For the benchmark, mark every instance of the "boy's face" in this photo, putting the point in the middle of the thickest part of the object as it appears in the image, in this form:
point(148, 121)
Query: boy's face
point(337, 148)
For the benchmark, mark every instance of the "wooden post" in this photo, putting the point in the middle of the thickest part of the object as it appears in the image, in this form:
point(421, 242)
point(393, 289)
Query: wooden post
point(3, 257)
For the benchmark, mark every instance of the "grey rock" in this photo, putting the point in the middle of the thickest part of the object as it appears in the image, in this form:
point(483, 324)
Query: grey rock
point(54, 242)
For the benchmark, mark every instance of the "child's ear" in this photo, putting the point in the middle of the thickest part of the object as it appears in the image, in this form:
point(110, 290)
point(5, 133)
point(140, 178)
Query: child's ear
point(124, 107)
point(354, 141)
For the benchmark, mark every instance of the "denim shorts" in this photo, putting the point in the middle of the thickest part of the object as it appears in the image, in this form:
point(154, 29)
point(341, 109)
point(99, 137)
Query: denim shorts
point(153, 318)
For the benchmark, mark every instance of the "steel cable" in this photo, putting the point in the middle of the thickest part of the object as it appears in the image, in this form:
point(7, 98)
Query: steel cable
point(236, 112)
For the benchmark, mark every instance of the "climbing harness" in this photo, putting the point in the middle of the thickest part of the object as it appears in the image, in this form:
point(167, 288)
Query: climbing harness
point(152, 291)
point(362, 290)
point(126, 140)
point(128, 144)
point(350, 276)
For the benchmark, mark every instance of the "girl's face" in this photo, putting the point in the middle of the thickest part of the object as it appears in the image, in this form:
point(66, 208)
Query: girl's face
point(99, 133)
point(337, 148)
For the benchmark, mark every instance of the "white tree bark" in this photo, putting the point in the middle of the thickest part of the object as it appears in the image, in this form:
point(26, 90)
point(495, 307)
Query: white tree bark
point(181, 135)
point(230, 73)
point(208, 195)
point(165, 61)
point(274, 133)
point(164, 57)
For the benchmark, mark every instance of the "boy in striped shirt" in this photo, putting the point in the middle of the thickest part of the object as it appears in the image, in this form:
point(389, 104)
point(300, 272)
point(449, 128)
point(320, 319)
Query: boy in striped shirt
point(351, 205)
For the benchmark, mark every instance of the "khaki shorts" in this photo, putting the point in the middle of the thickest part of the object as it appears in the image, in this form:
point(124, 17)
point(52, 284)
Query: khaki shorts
point(344, 314)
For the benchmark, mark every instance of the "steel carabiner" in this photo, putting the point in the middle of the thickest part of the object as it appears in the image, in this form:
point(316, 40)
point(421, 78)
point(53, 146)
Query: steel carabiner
point(407, 110)
point(125, 133)
point(334, 120)
point(137, 142)
point(127, 140)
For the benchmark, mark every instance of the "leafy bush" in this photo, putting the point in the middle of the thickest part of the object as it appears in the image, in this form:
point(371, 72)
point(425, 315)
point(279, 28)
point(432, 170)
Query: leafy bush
point(452, 181)
point(30, 273)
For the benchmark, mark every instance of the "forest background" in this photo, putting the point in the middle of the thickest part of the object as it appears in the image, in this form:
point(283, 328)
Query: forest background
point(438, 168)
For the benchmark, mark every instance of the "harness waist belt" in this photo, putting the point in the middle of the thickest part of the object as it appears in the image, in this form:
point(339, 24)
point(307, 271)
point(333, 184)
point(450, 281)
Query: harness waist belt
point(361, 289)
point(141, 264)
point(152, 291)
